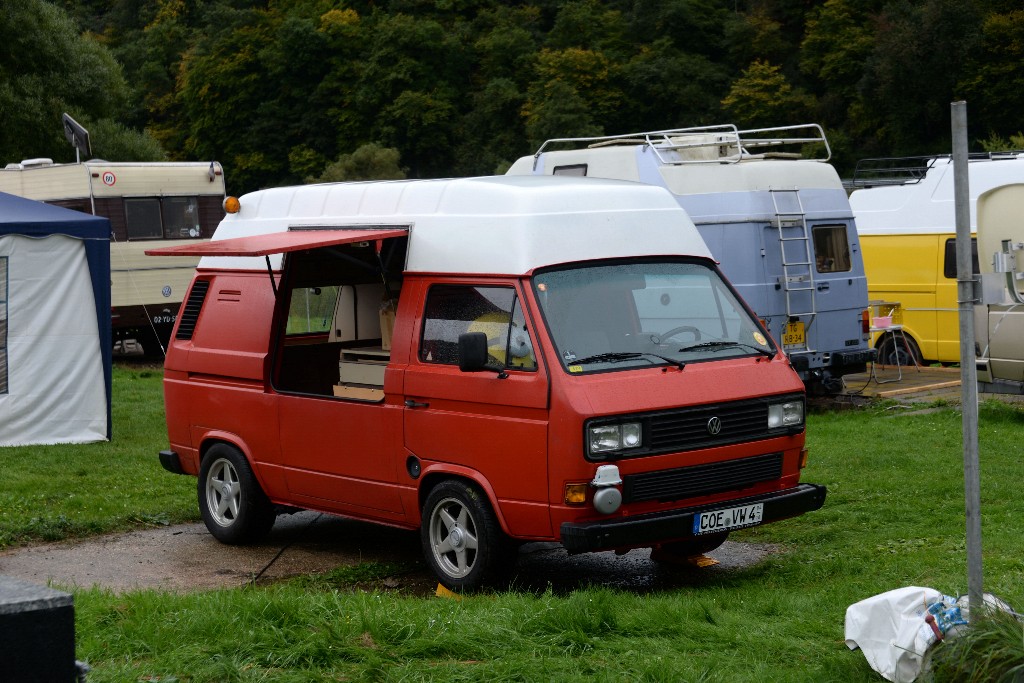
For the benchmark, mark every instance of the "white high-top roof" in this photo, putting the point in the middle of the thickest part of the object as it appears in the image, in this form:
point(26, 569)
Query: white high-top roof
point(502, 224)
point(927, 206)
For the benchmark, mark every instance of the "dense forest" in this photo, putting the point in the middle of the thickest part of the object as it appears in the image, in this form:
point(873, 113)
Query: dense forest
point(286, 91)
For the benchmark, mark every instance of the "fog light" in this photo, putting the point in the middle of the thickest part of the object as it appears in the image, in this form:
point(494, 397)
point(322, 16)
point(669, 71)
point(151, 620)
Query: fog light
point(607, 500)
point(575, 494)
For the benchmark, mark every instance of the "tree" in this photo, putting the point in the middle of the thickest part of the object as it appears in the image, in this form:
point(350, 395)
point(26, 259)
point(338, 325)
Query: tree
point(914, 70)
point(48, 68)
point(992, 81)
point(368, 162)
point(763, 97)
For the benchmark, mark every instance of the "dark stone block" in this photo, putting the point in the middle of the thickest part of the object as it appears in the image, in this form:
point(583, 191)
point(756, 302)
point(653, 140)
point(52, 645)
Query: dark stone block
point(37, 633)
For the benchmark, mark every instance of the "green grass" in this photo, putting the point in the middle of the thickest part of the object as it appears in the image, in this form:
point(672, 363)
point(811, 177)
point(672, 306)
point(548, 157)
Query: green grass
point(50, 493)
point(894, 517)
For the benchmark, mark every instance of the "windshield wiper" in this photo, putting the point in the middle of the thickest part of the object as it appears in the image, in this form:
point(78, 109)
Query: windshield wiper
point(716, 345)
point(616, 356)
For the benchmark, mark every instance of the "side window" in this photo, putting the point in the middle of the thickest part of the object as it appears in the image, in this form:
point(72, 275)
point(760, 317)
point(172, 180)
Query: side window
point(153, 218)
point(311, 310)
point(142, 218)
point(452, 310)
point(831, 248)
point(181, 217)
point(949, 262)
point(3, 324)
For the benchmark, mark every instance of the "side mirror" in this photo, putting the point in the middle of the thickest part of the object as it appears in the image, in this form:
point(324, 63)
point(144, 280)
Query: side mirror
point(472, 351)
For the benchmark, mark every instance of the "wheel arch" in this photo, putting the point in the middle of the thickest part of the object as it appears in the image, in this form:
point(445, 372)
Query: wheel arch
point(214, 438)
point(435, 474)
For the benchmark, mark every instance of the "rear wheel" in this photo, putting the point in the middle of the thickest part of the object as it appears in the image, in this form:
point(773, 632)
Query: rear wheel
point(892, 349)
point(233, 506)
point(462, 540)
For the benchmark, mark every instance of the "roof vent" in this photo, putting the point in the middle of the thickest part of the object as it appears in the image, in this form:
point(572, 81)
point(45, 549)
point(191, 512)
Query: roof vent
point(35, 163)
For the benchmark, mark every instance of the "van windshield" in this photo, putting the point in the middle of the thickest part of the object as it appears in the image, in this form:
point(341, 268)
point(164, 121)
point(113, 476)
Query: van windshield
point(629, 314)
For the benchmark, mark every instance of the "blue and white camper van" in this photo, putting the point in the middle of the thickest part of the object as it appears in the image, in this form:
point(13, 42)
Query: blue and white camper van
point(779, 223)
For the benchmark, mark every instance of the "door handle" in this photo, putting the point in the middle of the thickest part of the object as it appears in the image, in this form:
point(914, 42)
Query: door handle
point(409, 403)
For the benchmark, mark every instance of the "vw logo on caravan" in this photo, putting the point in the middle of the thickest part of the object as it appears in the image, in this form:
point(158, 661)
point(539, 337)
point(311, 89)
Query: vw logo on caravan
point(714, 426)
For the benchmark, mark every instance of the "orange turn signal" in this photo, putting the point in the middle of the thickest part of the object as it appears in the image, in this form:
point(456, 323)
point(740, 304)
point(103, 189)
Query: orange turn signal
point(575, 494)
point(231, 205)
point(803, 457)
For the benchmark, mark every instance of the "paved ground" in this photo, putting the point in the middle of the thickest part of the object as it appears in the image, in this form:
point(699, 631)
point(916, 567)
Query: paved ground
point(186, 557)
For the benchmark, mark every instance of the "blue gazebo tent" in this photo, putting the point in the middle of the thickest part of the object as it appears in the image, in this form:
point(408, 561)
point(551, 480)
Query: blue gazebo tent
point(55, 338)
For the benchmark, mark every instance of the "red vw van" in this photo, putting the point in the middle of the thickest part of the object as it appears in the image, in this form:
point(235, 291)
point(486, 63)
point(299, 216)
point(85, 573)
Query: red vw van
point(490, 360)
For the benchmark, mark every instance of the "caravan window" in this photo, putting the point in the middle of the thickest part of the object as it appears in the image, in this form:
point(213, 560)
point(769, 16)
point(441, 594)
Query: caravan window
point(181, 217)
point(154, 218)
point(831, 248)
point(3, 324)
point(142, 217)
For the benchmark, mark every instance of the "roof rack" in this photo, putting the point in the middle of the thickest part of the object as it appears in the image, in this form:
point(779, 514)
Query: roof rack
point(892, 170)
point(881, 171)
point(712, 144)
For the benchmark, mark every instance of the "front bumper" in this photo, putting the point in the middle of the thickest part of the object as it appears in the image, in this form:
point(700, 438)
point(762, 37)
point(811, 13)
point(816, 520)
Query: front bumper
point(676, 525)
point(170, 461)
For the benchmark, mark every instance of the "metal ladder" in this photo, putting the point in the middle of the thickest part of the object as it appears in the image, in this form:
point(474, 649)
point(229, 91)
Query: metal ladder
point(797, 268)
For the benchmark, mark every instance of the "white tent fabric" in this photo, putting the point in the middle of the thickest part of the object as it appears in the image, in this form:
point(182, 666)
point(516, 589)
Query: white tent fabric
point(55, 381)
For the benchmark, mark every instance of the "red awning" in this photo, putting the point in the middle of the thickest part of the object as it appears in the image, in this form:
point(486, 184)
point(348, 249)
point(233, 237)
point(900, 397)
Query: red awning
point(279, 242)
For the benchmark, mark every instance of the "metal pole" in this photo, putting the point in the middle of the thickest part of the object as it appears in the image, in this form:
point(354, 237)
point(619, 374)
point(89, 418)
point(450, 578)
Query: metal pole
point(968, 368)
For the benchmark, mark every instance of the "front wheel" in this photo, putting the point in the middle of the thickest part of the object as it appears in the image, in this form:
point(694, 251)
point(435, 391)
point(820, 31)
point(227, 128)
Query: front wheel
point(233, 506)
point(462, 540)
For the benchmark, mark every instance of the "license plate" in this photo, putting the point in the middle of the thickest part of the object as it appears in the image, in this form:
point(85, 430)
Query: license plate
point(730, 518)
point(793, 335)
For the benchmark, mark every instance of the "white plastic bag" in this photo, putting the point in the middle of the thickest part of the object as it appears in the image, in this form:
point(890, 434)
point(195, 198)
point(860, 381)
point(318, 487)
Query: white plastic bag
point(894, 630)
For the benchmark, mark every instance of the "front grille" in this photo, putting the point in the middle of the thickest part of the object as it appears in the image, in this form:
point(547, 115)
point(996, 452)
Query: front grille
point(701, 480)
point(686, 430)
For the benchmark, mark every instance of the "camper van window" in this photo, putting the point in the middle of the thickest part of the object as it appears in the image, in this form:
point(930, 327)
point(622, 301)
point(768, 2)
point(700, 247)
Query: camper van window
point(452, 310)
point(311, 310)
point(579, 170)
point(3, 324)
point(831, 248)
point(949, 263)
point(181, 217)
point(142, 217)
point(632, 314)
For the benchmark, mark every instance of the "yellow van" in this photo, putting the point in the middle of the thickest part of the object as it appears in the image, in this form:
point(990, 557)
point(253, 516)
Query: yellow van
point(907, 226)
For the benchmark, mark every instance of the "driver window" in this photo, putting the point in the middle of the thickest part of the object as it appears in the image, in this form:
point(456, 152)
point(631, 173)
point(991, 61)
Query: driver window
point(452, 310)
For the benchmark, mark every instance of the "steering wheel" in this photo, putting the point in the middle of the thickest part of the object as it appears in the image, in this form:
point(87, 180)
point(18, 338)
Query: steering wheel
point(659, 338)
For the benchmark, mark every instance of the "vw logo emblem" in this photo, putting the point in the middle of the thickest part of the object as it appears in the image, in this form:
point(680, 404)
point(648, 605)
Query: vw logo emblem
point(714, 426)
point(166, 290)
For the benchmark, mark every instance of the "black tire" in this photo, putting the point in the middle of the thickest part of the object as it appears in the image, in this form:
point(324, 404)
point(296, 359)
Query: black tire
point(890, 350)
point(234, 507)
point(462, 540)
point(679, 552)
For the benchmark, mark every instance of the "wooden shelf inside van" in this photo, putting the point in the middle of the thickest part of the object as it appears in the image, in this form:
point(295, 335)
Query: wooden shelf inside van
point(363, 365)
